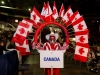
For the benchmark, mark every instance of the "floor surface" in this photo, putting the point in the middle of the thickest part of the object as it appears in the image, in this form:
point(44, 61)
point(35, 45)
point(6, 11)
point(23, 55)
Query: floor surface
point(71, 67)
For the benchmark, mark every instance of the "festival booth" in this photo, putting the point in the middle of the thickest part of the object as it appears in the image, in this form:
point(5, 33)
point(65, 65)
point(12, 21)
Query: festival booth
point(52, 57)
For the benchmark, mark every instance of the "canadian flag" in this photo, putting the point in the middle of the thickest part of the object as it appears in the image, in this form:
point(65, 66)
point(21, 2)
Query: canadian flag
point(82, 38)
point(20, 35)
point(43, 12)
point(48, 16)
point(23, 49)
point(79, 25)
point(22, 31)
point(81, 53)
point(62, 11)
point(27, 23)
point(74, 16)
point(36, 16)
point(55, 12)
point(18, 38)
point(67, 15)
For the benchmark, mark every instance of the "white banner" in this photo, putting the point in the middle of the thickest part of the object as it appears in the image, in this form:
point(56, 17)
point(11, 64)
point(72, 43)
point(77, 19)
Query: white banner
point(51, 59)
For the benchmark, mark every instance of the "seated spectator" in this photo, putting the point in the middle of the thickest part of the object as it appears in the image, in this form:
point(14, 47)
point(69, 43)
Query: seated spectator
point(97, 56)
point(91, 60)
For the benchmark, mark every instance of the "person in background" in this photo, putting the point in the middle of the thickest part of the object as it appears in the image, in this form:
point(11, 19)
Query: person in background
point(2, 47)
point(91, 60)
point(97, 56)
point(97, 53)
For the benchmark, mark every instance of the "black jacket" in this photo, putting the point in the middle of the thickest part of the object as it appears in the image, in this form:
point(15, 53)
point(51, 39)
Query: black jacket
point(2, 48)
point(97, 57)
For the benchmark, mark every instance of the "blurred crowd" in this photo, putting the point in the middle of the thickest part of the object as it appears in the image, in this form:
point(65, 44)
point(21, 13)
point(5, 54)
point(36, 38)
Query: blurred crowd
point(93, 62)
point(7, 37)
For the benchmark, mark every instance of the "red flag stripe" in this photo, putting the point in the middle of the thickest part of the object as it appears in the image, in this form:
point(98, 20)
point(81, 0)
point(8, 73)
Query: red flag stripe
point(21, 49)
point(68, 23)
point(80, 58)
point(34, 24)
point(44, 8)
point(30, 21)
point(23, 25)
point(78, 21)
point(36, 11)
point(82, 44)
point(26, 41)
point(61, 9)
point(82, 32)
point(55, 12)
point(19, 39)
point(68, 9)
point(73, 16)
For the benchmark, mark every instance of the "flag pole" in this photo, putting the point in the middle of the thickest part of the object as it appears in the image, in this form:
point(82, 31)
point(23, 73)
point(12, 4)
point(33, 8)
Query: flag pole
point(51, 71)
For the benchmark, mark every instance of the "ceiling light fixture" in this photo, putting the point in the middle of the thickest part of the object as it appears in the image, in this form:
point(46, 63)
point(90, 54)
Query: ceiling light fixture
point(2, 2)
point(16, 20)
point(29, 9)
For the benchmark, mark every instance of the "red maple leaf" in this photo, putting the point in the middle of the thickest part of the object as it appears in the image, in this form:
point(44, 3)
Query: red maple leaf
point(81, 51)
point(80, 26)
point(68, 14)
point(82, 39)
point(34, 16)
point(22, 31)
point(54, 11)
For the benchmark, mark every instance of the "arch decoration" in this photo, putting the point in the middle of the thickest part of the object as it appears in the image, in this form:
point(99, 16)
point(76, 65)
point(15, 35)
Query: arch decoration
point(63, 19)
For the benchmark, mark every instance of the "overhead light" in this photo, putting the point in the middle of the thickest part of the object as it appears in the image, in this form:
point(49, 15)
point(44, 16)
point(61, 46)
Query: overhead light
point(2, 2)
point(97, 21)
point(10, 7)
point(29, 9)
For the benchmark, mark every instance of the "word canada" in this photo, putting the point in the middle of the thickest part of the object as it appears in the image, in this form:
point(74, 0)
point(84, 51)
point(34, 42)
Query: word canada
point(51, 59)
